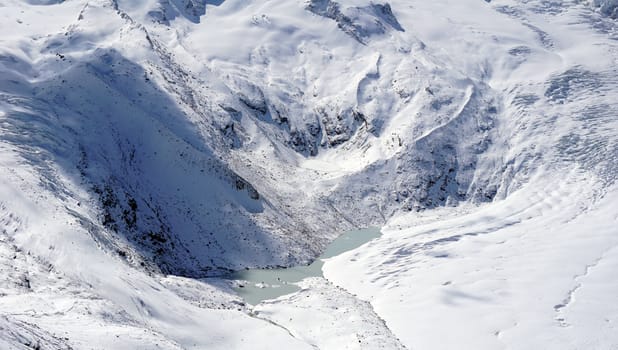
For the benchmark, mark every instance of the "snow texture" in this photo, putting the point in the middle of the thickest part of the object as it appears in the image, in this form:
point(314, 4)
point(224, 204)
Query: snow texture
point(149, 147)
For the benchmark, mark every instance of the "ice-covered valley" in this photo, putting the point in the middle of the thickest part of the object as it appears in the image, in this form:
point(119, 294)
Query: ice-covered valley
point(149, 148)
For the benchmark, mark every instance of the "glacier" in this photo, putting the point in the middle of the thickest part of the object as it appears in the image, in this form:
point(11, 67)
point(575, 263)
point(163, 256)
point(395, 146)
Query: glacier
point(151, 148)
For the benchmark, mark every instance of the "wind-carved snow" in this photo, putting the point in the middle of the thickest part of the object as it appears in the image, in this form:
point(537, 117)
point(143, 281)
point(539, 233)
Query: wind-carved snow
point(146, 146)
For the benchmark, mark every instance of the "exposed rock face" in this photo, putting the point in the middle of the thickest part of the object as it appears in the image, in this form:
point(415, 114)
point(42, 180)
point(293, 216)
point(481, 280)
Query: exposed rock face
point(608, 7)
point(361, 23)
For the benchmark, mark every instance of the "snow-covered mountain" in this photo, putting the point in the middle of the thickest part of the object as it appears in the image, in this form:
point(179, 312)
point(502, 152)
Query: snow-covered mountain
point(151, 146)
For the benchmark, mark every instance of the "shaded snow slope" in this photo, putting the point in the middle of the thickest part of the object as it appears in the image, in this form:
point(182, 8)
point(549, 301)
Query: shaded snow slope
point(144, 141)
point(150, 144)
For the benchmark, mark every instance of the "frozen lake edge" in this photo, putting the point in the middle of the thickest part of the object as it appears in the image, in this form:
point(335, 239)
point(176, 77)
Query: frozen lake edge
point(257, 285)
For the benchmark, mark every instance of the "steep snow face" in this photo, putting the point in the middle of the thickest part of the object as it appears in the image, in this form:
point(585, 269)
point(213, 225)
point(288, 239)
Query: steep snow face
point(190, 137)
point(382, 97)
point(105, 104)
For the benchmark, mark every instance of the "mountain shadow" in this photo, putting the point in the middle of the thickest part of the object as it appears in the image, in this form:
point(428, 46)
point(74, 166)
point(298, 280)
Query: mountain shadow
point(164, 199)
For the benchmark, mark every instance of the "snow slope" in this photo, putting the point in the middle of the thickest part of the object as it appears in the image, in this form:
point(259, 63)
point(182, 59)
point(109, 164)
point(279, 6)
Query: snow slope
point(149, 145)
point(536, 269)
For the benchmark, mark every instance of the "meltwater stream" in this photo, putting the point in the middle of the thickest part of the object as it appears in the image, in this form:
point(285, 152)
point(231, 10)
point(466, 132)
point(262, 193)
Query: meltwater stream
point(257, 285)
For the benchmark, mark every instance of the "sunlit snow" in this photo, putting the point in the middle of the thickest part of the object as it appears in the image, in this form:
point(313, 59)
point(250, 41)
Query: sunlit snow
point(150, 148)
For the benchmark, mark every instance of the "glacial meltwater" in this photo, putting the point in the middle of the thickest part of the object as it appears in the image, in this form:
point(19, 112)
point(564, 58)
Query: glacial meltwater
point(257, 285)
